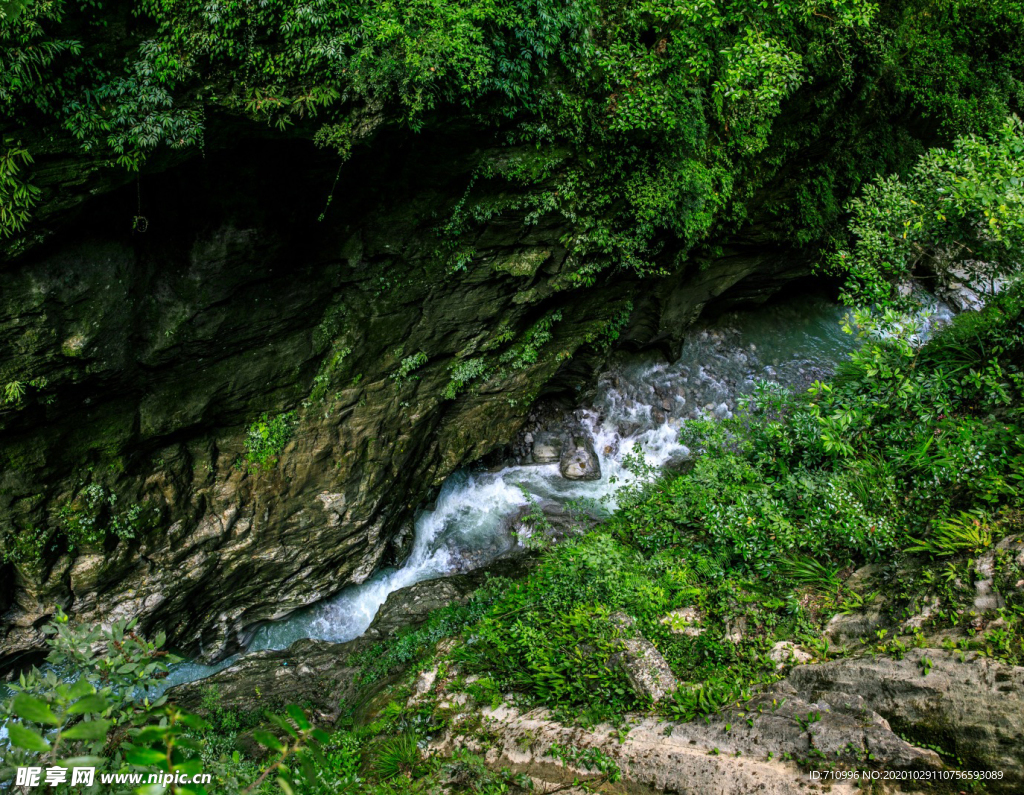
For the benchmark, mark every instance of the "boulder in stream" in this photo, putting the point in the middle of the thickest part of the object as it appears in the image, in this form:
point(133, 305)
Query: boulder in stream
point(551, 519)
point(547, 448)
point(579, 460)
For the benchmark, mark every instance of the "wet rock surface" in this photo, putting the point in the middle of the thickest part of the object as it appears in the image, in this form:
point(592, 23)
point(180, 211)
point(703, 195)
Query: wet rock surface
point(546, 448)
point(551, 519)
point(578, 460)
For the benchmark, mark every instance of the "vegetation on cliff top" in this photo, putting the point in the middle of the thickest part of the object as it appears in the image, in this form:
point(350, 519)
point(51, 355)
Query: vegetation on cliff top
point(661, 127)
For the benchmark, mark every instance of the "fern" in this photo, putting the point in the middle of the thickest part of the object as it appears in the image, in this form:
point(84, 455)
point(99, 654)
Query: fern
point(968, 532)
point(810, 571)
point(689, 702)
point(396, 756)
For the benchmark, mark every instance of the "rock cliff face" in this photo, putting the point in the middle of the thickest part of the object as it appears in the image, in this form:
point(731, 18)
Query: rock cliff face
point(140, 360)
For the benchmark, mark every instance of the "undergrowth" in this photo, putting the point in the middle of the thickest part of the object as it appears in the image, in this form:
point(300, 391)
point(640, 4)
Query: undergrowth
point(911, 458)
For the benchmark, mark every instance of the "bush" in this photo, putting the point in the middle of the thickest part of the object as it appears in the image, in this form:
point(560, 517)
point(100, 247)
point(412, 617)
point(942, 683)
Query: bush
point(92, 708)
point(266, 439)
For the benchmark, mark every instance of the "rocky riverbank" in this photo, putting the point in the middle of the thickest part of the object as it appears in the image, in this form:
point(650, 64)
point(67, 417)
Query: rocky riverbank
point(917, 717)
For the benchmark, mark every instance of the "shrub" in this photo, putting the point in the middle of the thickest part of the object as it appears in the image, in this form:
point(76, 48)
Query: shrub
point(266, 439)
point(98, 708)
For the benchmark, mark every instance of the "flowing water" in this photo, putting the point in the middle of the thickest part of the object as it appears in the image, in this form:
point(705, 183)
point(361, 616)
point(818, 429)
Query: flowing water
point(640, 399)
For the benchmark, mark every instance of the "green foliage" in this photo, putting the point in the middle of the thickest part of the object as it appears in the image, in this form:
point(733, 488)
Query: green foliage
point(17, 198)
point(752, 540)
point(698, 701)
point(93, 516)
point(464, 373)
point(412, 645)
point(396, 756)
point(14, 391)
point(134, 114)
point(968, 532)
point(589, 759)
point(121, 108)
point(658, 128)
point(609, 332)
point(537, 526)
point(524, 352)
point(334, 358)
point(901, 440)
point(267, 437)
point(29, 54)
point(553, 636)
point(15, 394)
point(805, 569)
point(409, 363)
point(53, 718)
point(959, 208)
point(99, 709)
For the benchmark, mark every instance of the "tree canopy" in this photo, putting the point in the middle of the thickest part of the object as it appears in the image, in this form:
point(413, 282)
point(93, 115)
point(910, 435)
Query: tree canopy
point(660, 127)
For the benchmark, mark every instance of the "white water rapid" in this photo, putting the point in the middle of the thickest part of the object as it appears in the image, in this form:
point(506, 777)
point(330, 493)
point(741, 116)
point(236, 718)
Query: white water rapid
point(640, 399)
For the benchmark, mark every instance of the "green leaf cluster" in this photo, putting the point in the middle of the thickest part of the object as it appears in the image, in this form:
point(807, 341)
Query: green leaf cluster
point(960, 210)
point(97, 703)
point(675, 124)
point(266, 439)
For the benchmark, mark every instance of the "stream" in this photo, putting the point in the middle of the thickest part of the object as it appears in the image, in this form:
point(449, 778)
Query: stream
point(640, 398)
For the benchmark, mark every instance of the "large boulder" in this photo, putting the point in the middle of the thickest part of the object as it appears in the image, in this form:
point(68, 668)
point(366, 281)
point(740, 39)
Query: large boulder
point(735, 752)
point(973, 710)
point(551, 519)
point(579, 460)
point(547, 448)
point(648, 672)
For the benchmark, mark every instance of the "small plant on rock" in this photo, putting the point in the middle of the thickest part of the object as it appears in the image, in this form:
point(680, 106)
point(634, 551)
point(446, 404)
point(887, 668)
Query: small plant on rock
point(266, 439)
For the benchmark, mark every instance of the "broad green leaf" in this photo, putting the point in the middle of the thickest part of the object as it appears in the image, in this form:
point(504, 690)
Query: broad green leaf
point(286, 788)
point(146, 757)
point(267, 740)
point(149, 734)
point(298, 716)
point(193, 721)
point(82, 687)
point(83, 761)
point(88, 730)
point(189, 767)
point(34, 709)
point(91, 703)
point(187, 743)
point(23, 737)
point(284, 724)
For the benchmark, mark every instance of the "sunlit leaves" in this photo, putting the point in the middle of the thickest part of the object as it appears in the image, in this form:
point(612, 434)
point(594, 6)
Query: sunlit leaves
point(961, 209)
